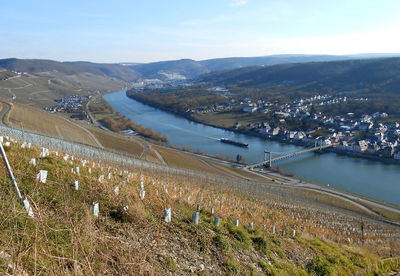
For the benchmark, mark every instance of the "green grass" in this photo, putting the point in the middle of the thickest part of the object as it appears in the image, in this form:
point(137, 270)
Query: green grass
point(222, 243)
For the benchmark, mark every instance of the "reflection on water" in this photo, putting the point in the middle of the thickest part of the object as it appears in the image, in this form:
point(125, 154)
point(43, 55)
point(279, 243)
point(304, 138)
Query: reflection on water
point(358, 175)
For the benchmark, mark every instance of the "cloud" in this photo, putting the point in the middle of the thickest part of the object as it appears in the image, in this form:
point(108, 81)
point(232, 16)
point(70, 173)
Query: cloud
point(237, 3)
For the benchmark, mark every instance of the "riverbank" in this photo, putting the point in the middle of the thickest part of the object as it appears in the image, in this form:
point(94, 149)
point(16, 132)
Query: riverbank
point(189, 117)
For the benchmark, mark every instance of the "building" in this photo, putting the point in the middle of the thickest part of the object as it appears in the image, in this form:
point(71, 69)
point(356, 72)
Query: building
point(360, 146)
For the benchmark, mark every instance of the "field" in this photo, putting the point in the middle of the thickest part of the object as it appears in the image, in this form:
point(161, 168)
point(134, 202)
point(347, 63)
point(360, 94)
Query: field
point(117, 142)
point(130, 237)
point(227, 119)
point(41, 122)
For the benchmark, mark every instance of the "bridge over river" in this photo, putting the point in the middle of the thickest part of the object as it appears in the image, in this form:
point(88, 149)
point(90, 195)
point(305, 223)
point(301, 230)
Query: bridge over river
point(268, 161)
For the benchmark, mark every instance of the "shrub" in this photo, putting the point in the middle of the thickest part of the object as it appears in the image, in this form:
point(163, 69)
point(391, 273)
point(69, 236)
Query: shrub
point(319, 266)
point(260, 244)
point(221, 242)
point(240, 235)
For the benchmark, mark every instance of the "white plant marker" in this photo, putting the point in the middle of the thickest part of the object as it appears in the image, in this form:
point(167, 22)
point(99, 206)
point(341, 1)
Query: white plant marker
point(142, 194)
point(109, 176)
point(236, 222)
point(76, 183)
point(42, 176)
point(167, 215)
point(29, 145)
point(116, 190)
point(195, 217)
point(96, 209)
point(32, 162)
point(89, 170)
point(101, 178)
point(76, 170)
point(28, 208)
point(23, 145)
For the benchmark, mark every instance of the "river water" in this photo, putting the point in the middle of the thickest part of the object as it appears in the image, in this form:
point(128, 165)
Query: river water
point(371, 178)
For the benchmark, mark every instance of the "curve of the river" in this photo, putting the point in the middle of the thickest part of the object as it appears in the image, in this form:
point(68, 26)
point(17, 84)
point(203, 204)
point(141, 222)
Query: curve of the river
point(371, 178)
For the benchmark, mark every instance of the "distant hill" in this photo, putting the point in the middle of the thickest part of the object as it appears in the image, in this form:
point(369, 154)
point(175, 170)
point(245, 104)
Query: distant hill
point(40, 82)
point(185, 67)
point(117, 71)
point(191, 68)
point(379, 74)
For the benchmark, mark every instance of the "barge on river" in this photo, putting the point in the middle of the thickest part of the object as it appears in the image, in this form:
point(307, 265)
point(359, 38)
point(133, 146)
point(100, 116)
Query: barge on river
point(228, 141)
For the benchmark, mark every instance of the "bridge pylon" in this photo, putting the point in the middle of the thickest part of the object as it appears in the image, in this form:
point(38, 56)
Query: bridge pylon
point(269, 164)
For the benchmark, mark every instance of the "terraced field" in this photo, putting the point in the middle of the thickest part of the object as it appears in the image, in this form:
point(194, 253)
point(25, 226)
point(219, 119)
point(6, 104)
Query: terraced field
point(40, 90)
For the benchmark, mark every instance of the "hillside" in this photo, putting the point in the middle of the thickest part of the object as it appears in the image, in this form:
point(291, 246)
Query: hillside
point(367, 74)
point(70, 68)
point(276, 235)
point(191, 68)
point(38, 83)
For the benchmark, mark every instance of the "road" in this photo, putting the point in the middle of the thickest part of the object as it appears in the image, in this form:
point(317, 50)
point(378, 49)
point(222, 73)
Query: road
point(88, 132)
point(94, 121)
point(6, 107)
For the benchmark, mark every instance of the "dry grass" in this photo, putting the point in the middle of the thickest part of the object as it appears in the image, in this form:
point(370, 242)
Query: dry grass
point(152, 157)
point(65, 238)
point(41, 122)
point(239, 173)
point(178, 159)
point(117, 142)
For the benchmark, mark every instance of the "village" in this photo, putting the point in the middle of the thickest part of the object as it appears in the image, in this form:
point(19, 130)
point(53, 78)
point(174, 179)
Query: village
point(71, 103)
point(365, 136)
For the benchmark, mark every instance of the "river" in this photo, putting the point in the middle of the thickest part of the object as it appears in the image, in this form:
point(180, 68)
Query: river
point(370, 178)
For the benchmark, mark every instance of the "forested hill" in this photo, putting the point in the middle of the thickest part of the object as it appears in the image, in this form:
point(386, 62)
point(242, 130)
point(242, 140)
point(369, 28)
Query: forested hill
point(381, 75)
point(190, 68)
point(116, 71)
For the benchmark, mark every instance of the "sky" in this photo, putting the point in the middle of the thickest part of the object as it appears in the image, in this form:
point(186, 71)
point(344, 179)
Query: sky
point(155, 30)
